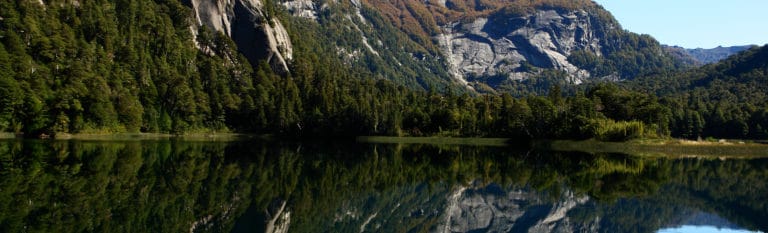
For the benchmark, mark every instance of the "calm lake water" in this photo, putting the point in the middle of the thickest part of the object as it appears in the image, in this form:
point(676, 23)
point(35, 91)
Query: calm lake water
point(246, 186)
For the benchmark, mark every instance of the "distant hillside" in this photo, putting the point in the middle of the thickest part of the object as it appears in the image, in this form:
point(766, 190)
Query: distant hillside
point(724, 99)
point(713, 55)
point(699, 56)
point(746, 67)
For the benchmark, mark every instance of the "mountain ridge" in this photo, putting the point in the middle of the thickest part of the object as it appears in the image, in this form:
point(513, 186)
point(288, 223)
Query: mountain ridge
point(474, 41)
point(700, 56)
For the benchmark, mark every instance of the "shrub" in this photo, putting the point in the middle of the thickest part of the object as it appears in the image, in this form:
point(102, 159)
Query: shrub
point(610, 130)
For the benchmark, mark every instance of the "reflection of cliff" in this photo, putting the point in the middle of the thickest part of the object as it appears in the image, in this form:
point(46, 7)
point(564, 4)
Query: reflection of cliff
point(492, 209)
point(248, 186)
point(446, 189)
point(441, 189)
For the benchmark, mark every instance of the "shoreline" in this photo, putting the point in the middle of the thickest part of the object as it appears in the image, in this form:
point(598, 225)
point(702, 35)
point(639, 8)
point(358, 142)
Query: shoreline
point(435, 140)
point(671, 148)
point(5, 135)
point(145, 136)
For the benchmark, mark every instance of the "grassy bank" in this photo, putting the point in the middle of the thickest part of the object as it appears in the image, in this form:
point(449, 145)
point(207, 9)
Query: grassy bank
point(644, 147)
point(668, 148)
point(7, 135)
point(436, 140)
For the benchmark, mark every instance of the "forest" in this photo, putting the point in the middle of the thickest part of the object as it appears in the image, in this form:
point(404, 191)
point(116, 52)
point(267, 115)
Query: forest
point(91, 68)
point(722, 100)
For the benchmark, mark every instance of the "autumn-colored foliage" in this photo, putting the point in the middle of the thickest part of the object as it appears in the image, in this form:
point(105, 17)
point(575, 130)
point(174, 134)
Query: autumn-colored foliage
point(421, 19)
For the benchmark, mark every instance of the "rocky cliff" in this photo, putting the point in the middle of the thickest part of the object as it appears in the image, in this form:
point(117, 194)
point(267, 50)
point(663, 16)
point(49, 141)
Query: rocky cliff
point(429, 44)
point(485, 44)
point(502, 45)
point(257, 36)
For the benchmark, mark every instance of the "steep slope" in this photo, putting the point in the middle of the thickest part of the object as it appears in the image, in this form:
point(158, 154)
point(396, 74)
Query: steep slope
point(256, 35)
point(365, 41)
point(516, 43)
point(476, 45)
point(114, 66)
point(484, 44)
point(503, 44)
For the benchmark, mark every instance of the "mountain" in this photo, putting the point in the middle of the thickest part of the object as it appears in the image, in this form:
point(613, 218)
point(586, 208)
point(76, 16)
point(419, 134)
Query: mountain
point(484, 45)
point(478, 44)
point(330, 67)
point(699, 56)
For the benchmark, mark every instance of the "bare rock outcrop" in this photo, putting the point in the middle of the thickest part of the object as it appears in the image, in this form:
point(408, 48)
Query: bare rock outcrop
point(257, 35)
point(504, 45)
point(302, 8)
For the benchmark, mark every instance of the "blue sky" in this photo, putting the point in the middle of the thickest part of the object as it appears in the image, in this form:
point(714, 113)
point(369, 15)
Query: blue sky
point(695, 23)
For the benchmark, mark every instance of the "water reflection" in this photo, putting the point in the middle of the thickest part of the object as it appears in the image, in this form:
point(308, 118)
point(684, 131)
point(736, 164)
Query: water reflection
point(702, 229)
point(177, 186)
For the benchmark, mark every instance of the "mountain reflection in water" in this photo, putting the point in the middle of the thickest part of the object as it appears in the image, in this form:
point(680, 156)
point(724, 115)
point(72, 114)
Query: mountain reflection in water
point(247, 186)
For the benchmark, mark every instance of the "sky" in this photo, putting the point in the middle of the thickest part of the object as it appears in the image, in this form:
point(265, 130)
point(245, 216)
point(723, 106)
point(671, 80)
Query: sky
point(694, 23)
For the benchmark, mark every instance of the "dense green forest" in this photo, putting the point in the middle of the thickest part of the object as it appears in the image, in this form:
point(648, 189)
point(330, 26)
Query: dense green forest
point(723, 100)
point(91, 68)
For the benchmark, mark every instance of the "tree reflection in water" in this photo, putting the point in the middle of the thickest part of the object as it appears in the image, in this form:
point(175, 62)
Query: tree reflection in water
point(180, 186)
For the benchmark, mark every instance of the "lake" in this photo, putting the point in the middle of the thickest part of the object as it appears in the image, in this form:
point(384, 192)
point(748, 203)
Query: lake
point(256, 186)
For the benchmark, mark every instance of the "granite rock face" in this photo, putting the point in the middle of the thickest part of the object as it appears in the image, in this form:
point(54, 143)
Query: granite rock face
point(302, 8)
point(425, 44)
point(257, 36)
point(504, 45)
